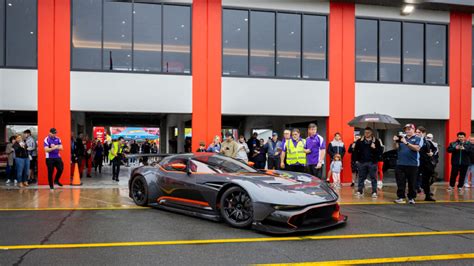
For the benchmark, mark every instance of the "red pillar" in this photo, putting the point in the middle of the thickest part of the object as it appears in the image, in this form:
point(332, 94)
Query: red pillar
point(206, 53)
point(54, 80)
point(460, 83)
point(342, 76)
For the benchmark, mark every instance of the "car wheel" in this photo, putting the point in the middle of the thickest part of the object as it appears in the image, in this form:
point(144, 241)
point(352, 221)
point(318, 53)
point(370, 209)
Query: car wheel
point(139, 189)
point(236, 207)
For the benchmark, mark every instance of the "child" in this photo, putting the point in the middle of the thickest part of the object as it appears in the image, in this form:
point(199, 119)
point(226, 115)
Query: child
point(336, 168)
point(202, 147)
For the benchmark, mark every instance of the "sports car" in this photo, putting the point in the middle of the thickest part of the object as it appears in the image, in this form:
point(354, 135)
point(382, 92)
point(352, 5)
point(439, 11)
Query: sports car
point(217, 187)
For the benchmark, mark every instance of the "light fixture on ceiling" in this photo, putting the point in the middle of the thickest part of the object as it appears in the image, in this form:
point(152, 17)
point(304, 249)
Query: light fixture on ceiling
point(407, 9)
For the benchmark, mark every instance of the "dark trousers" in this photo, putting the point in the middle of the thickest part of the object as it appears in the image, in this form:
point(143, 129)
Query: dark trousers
point(406, 174)
point(52, 163)
point(274, 163)
point(426, 172)
point(11, 172)
point(260, 164)
point(455, 170)
point(296, 168)
point(312, 170)
point(364, 170)
point(98, 164)
point(116, 167)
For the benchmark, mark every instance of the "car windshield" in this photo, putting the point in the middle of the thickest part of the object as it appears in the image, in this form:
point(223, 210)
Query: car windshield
point(222, 164)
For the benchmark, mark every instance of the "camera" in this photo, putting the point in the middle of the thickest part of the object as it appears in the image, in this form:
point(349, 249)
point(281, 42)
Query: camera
point(400, 136)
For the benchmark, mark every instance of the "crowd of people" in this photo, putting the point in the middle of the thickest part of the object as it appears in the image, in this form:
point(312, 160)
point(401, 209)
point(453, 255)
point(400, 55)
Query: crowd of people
point(417, 158)
point(90, 154)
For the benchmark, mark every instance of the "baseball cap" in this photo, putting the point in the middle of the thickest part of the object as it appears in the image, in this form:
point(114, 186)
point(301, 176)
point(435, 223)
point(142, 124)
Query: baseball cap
point(429, 136)
point(409, 126)
point(275, 134)
point(53, 130)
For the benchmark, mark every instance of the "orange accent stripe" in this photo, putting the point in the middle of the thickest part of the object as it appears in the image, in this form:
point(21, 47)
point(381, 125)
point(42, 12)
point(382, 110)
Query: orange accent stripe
point(202, 203)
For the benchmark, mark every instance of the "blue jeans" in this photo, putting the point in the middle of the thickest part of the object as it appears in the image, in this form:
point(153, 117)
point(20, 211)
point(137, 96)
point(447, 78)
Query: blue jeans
point(367, 169)
point(470, 171)
point(22, 169)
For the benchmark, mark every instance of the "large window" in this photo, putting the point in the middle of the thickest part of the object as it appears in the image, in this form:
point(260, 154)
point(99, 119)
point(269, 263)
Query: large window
point(390, 49)
point(117, 35)
point(263, 43)
point(177, 39)
point(289, 45)
point(20, 33)
point(147, 38)
point(133, 35)
point(436, 54)
point(394, 51)
point(413, 52)
point(87, 34)
point(235, 42)
point(2, 32)
point(314, 47)
point(366, 50)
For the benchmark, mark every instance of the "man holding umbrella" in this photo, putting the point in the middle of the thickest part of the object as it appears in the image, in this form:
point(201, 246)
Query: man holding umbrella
point(367, 151)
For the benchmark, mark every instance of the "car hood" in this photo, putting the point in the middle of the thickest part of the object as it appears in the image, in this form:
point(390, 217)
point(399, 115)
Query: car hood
point(284, 188)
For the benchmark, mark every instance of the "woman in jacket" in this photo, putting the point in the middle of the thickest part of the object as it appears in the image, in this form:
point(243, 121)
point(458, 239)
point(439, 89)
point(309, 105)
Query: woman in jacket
point(22, 162)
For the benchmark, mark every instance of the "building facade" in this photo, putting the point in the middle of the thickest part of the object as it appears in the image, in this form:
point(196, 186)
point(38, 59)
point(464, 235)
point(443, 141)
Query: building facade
point(247, 64)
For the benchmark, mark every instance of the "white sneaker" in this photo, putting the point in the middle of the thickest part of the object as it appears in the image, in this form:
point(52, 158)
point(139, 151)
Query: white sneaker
point(460, 189)
point(412, 201)
point(380, 184)
point(450, 189)
point(15, 182)
point(367, 182)
point(358, 194)
point(374, 195)
point(400, 201)
point(8, 181)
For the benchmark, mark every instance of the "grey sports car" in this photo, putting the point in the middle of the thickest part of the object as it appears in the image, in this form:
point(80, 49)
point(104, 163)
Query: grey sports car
point(217, 187)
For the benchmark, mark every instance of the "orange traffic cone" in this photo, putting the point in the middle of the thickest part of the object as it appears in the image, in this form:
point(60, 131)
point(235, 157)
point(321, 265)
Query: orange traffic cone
point(76, 179)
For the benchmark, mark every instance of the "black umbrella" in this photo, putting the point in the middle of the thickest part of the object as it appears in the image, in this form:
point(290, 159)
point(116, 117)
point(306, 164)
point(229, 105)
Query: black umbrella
point(375, 121)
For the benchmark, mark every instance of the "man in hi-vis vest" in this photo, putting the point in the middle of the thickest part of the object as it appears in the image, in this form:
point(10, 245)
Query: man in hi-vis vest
point(295, 153)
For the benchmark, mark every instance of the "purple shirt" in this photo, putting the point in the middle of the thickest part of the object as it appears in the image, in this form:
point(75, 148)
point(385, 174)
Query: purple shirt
point(315, 144)
point(48, 141)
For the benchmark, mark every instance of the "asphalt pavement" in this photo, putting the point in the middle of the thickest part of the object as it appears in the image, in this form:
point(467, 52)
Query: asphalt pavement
point(442, 233)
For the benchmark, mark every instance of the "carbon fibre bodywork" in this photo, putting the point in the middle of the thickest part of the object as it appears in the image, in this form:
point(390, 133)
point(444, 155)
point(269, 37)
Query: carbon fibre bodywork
point(283, 202)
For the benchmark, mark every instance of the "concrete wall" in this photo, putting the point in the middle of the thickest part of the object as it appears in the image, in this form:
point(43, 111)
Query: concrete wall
point(394, 13)
point(260, 96)
point(130, 92)
point(403, 101)
point(295, 5)
point(19, 89)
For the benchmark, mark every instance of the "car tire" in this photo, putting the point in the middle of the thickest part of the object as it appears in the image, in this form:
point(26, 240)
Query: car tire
point(139, 191)
point(236, 207)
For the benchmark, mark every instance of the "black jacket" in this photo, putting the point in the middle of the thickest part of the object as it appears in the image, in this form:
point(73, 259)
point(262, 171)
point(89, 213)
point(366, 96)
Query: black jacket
point(333, 150)
point(424, 150)
point(20, 152)
point(460, 157)
point(363, 152)
point(80, 151)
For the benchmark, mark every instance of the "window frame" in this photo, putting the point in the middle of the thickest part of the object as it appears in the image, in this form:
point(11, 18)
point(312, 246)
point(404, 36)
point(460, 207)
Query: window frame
point(302, 14)
point(424, 23)
point(4, 63)
point(162, 4)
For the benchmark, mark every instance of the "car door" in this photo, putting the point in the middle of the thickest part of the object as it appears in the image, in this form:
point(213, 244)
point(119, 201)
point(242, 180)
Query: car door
point(178, 188)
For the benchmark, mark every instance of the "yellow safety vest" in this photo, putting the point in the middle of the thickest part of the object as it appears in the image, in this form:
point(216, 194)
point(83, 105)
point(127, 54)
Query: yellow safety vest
point(116, 149)
point(295, 154)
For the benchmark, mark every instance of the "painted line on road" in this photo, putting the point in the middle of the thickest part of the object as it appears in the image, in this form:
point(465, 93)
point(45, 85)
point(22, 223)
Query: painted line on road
point(393, 203)
point(385, 260)
point(118, 208)
point(76, 209)
point(233, 240)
